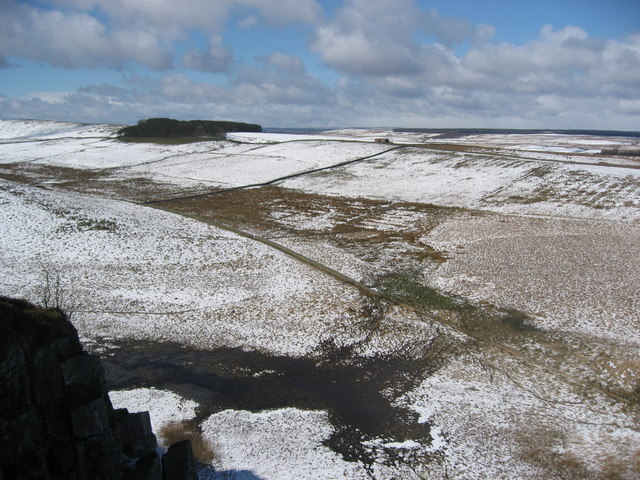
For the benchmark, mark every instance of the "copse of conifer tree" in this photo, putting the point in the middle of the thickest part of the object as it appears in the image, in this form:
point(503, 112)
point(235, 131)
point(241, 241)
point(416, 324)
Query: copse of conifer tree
point(171, 128)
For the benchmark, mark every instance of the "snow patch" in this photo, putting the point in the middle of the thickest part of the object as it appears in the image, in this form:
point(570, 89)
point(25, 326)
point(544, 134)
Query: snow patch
point(164, 406)
point(276, 445)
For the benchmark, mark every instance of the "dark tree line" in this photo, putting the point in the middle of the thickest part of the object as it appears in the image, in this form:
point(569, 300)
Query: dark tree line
point(170, 128)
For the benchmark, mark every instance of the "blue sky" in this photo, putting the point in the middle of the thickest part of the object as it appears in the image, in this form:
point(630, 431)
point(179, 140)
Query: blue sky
point(412, 63)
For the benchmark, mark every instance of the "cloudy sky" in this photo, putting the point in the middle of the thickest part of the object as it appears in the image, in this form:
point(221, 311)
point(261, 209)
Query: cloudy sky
point(325, 63)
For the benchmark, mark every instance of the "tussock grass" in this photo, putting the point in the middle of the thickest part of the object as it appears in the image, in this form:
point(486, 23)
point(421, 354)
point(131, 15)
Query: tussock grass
point(203, 450)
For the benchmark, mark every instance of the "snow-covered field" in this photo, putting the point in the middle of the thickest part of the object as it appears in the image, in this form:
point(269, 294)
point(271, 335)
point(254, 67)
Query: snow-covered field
point(29, 130)
point(490, 182)
point(136, 272)
point(237, 165)
point(570, 275)
point(541, 224)
point(241, 444)
point(547, 142)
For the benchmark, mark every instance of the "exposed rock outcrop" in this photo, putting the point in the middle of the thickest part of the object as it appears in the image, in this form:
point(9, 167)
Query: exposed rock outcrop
point(177, 462)
point(56, 419)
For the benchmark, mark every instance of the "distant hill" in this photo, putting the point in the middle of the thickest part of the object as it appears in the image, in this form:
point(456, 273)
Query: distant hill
point(462, 132)
point(170, 128)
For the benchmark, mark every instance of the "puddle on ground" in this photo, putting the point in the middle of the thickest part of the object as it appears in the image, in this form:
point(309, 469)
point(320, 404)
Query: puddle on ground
point(357, 392)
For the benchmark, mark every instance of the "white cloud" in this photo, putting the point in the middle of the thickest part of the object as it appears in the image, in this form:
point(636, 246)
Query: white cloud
point(396, 50)
point(277, 91)
point(50, 97)
point(201, 14)
point(565, 61)
point(178, 88)
point(280, 79)
point(217, 58)
point(72, 40)
point(382, 37)
point(264, 97)
point(370, 38)
point(120, 33)
point(398, 64)
point(286, 63)
point(142, 47)
point(453, 31)
point(248, 22)
point(282, 12)
point(562, 50)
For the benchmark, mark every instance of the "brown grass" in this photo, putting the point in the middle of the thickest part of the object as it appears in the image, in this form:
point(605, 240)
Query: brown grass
point(569, 466)
point(354, 221)
point(538, 449)
point(174, 432)
point(34, 172)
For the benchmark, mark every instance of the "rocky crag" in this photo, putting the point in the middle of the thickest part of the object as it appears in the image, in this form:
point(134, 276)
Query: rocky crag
point(56, 419)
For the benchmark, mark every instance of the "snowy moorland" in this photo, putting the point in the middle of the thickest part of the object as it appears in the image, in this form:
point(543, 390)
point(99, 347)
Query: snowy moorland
point(329, 306)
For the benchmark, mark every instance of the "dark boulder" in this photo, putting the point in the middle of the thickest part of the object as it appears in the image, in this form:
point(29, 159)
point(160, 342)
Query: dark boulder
point(137, 436)
point(177, 463)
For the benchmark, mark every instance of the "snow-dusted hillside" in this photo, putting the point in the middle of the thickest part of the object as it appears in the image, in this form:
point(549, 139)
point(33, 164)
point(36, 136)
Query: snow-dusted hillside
point(23, 130)
point(479, 291)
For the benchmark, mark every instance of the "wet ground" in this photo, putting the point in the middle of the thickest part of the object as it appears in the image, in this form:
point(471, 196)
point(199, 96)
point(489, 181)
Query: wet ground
point(357, 391)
